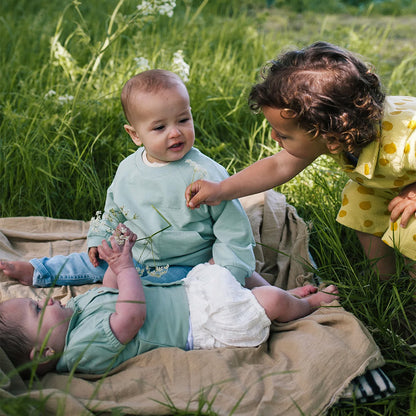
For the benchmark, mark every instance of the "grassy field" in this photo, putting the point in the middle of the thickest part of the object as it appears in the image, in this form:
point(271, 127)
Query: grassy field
point(61, 137)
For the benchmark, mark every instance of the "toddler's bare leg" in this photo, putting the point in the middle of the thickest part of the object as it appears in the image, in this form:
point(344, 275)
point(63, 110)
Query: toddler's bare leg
point(382, 255)
point(282, 306)
point(19, 270)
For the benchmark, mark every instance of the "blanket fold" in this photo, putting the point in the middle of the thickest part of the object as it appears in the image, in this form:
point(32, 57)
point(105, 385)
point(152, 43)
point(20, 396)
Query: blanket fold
point(306, 364)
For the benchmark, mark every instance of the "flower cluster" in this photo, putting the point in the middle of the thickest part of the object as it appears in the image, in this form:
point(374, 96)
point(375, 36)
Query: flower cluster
point(153, 7)
point(199, 171)
point(142, 63)
point(60, 56)
point(108, 222)
point(62, 99)
point(120, 235)
point(157, 271)
point(179, 66)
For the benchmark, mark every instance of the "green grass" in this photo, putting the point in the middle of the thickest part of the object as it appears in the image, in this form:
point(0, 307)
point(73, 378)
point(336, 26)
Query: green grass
point(57, 158)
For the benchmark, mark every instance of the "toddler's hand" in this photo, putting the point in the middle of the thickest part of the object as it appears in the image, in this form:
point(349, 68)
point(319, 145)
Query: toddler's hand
point(202, 192)
point(403, 205)
point(119, 255)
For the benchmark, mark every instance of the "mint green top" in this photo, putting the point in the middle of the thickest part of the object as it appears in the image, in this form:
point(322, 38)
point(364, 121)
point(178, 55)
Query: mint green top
point(92, 347)
point(222, 232)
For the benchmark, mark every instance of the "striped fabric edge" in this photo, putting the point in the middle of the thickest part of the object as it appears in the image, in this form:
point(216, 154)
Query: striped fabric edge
point(372, 386)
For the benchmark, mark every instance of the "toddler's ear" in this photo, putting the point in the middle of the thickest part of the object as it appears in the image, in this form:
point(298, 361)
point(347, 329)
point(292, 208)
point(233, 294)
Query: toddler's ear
point(333, 146)
point(132, 133)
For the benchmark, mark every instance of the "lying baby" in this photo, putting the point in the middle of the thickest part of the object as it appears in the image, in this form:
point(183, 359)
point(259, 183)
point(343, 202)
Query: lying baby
point(98, 330)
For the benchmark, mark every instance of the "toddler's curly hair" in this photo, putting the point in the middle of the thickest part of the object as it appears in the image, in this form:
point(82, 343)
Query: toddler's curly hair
point(328, 90)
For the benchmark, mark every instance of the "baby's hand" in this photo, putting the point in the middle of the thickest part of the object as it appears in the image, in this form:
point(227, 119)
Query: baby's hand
point(403, 205)
point(119, 255)
point(93, 256)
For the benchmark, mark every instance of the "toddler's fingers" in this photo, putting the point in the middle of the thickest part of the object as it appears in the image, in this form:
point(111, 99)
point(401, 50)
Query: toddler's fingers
point(395, 212)
point(394, 202)
point(404, 220)
point(408, 213)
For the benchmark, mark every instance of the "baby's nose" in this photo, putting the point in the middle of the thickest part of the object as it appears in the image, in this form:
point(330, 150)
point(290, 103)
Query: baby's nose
point(174, 132)
point(49, 302)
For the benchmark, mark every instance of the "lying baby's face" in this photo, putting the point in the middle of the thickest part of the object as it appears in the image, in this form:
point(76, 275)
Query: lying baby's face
point(39, 319)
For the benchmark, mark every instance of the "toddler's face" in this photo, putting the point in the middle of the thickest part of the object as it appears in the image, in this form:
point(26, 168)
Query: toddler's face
point(295, 140)
point(164, 124)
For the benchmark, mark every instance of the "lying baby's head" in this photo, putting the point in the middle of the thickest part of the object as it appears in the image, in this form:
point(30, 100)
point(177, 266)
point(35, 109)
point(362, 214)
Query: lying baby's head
point(32, 330)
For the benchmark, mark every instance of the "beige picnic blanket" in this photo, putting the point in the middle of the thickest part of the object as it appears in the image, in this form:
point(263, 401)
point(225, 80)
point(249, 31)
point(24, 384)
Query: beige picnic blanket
point(302, 369)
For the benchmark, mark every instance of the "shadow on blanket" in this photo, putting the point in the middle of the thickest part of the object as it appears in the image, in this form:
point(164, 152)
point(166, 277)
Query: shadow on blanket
point(306, 364)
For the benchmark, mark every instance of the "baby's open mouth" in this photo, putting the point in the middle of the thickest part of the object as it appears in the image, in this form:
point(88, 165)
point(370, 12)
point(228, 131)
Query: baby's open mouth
point(176, 145)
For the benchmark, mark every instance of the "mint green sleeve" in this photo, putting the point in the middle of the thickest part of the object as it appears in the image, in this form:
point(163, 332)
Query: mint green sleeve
point(233, 247)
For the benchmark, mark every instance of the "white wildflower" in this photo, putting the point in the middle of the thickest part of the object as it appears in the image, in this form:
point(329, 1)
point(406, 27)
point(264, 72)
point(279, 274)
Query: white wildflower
point(109, 220)
point(179, 65)
point(61, 57)
point(120, 235)
point(199, 171)
point(166, 8)
point(63, 99)
point(154, 7)
point(50, 93)
point(95, 223)
point(140, 271)
point(142, 63)
point(158, 270)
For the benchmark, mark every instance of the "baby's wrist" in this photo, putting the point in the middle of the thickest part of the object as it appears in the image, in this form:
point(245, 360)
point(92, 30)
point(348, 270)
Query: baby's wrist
point(122, 270)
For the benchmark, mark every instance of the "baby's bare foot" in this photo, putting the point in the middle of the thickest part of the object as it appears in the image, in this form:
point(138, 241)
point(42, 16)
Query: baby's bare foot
point(19, 270)
point(325, 296)
point(303, 291)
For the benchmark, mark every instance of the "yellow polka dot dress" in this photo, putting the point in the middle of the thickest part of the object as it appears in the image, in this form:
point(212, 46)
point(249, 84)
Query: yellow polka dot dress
point(384, 167)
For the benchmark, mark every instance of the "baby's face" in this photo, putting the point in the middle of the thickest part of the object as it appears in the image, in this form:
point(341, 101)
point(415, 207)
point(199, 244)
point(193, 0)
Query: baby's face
point(39, 320)
point(164, 124)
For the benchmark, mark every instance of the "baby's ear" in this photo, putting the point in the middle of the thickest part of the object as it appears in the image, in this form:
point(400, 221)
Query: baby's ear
point(46, 362)
point(47, 352)
point(132, 133)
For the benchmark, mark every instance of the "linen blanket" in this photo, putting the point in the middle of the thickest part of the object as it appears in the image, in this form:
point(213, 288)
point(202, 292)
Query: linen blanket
point(303, 368)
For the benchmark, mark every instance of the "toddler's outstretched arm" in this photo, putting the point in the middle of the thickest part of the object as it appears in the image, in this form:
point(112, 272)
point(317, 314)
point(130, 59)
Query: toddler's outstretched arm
point(130, 311)
point(260, 176)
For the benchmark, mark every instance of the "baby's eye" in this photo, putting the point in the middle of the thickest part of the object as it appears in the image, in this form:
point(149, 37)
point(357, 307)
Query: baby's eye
point(184, 120)
point(158, 128)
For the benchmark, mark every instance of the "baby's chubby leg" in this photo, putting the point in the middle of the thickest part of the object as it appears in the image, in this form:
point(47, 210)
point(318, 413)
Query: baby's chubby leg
point(19, 270)
point(285, 306)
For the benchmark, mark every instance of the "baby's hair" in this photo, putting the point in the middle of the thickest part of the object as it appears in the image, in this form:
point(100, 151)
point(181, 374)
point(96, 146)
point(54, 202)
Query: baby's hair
point(329, 91)
point(14, 342)
point(152, 80)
